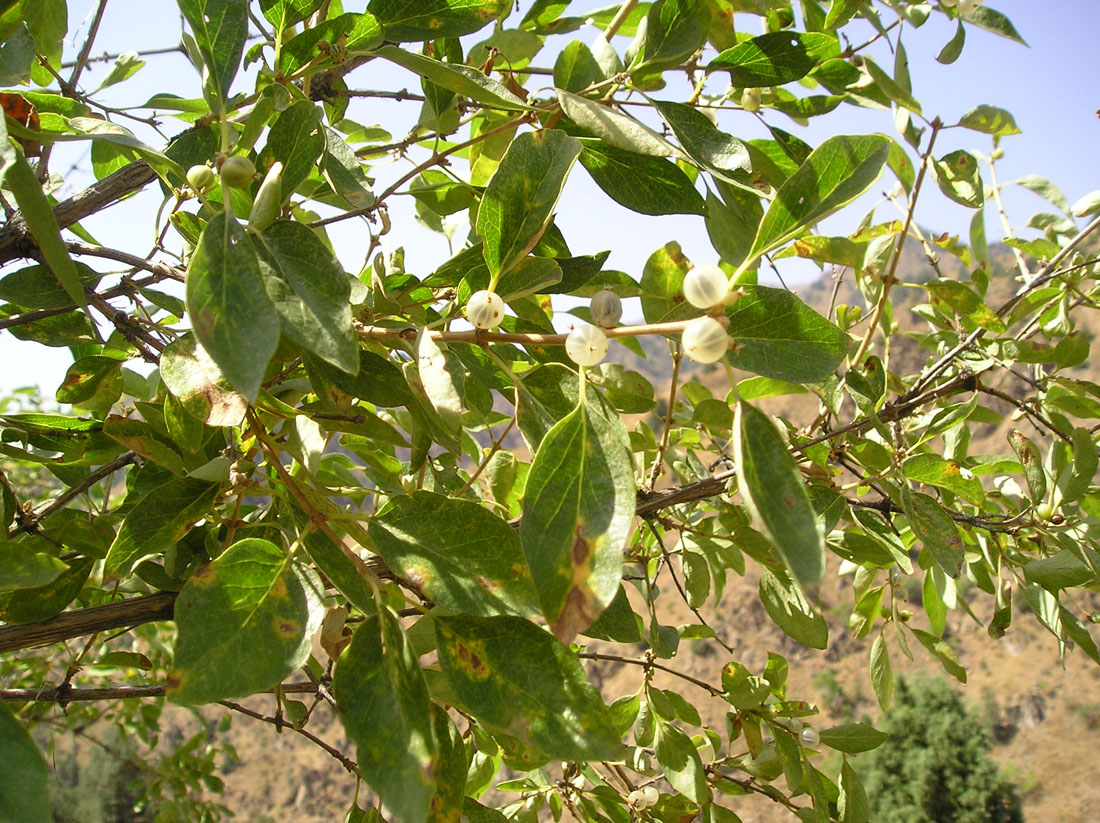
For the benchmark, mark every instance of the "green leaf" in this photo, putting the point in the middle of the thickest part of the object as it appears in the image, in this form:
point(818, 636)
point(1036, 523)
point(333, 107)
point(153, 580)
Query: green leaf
point(157, 521)
point(1045, 189)
point(458, 553)
point(24, 780)
point(519, 201)
point(283, 14)
point(772, 488)
point(779, 336)
point(933, 470)
point(40, 220)
point(220, 28)
point(891, 88)
point(942, 652)
point(195, 380)
point(614, 128)
point(712, 150)
point(853, 738)
point(576, 68)
point(1089, 204)
point(680, 763)
point(346, 34)
point(450, 770)
point(516, 678)
point(882, 673)
point(853, 804)
point(92, 382)
point(934, 527)
point(990, 120)
point(578, 509)
point(776, 58)
point(245, 622)
point(296, 140)
point(385, 709)
point(641, 183)
point(836, 173)
point(792, 612)
point(21, 567)
point(992, 20)
point(344, 173)
point(675, 29)
point(16, 57)
point(662, 286)
point(35, 287)
point(1085, 460)
point(29, 605)
point(377, 381)
point(732, 221)
point(230, 312)
point(416, 20)
point(953, 48)
point(342, 568)
point(1063, 570)
point(460, 79)
point(958, 176)
point(310, 292)
point(547, 395)
point(126, 65)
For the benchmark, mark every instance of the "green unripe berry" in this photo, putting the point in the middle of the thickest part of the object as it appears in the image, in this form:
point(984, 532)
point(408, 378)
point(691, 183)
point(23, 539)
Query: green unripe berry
point(750, 99)
point(200, 178)
point(237, 172)
point(606, 309)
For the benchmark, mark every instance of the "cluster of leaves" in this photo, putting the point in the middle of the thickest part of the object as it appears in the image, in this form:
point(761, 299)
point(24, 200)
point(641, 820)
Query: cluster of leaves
point(312, 452)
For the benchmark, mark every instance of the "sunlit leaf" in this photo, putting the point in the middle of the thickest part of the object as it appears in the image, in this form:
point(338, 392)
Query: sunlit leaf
point(244, 622)
point(515, 677)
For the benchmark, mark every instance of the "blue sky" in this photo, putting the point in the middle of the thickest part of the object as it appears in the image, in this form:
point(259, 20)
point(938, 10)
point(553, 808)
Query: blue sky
point(1049, 87)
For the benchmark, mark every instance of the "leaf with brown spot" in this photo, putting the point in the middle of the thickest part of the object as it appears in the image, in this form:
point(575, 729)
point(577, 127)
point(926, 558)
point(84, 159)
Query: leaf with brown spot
point(244, 624)
point(157, 521)
point(460, 554)
point(578, 510)
point(526, 685)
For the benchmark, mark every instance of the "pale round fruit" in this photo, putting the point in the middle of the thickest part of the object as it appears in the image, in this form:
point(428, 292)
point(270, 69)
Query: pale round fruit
point(485, 309)
point(636, 799)
point(705, 340)
point(811, 737)
point(606, 309)
point(651, 795)
point(586, 345)
point(200, 178)
point(237, 172)
point(795, 724)
point(750, 99)
point(706, 286)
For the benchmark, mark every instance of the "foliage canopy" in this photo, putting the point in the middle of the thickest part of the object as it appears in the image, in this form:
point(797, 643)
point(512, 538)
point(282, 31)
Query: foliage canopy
point(323, 483)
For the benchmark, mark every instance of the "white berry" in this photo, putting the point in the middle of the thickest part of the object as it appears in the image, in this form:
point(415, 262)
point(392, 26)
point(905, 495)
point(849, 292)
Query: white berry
point(651, 795)
point(606, 309)
point(705, 340)
point(485, 309)
point(586, 345)
point(750, 99)
point(810, 737)
point(706, 286)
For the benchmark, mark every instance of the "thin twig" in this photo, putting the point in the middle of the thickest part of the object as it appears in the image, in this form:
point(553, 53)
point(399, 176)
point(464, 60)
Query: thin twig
point(73, 492)
point(281, 723)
